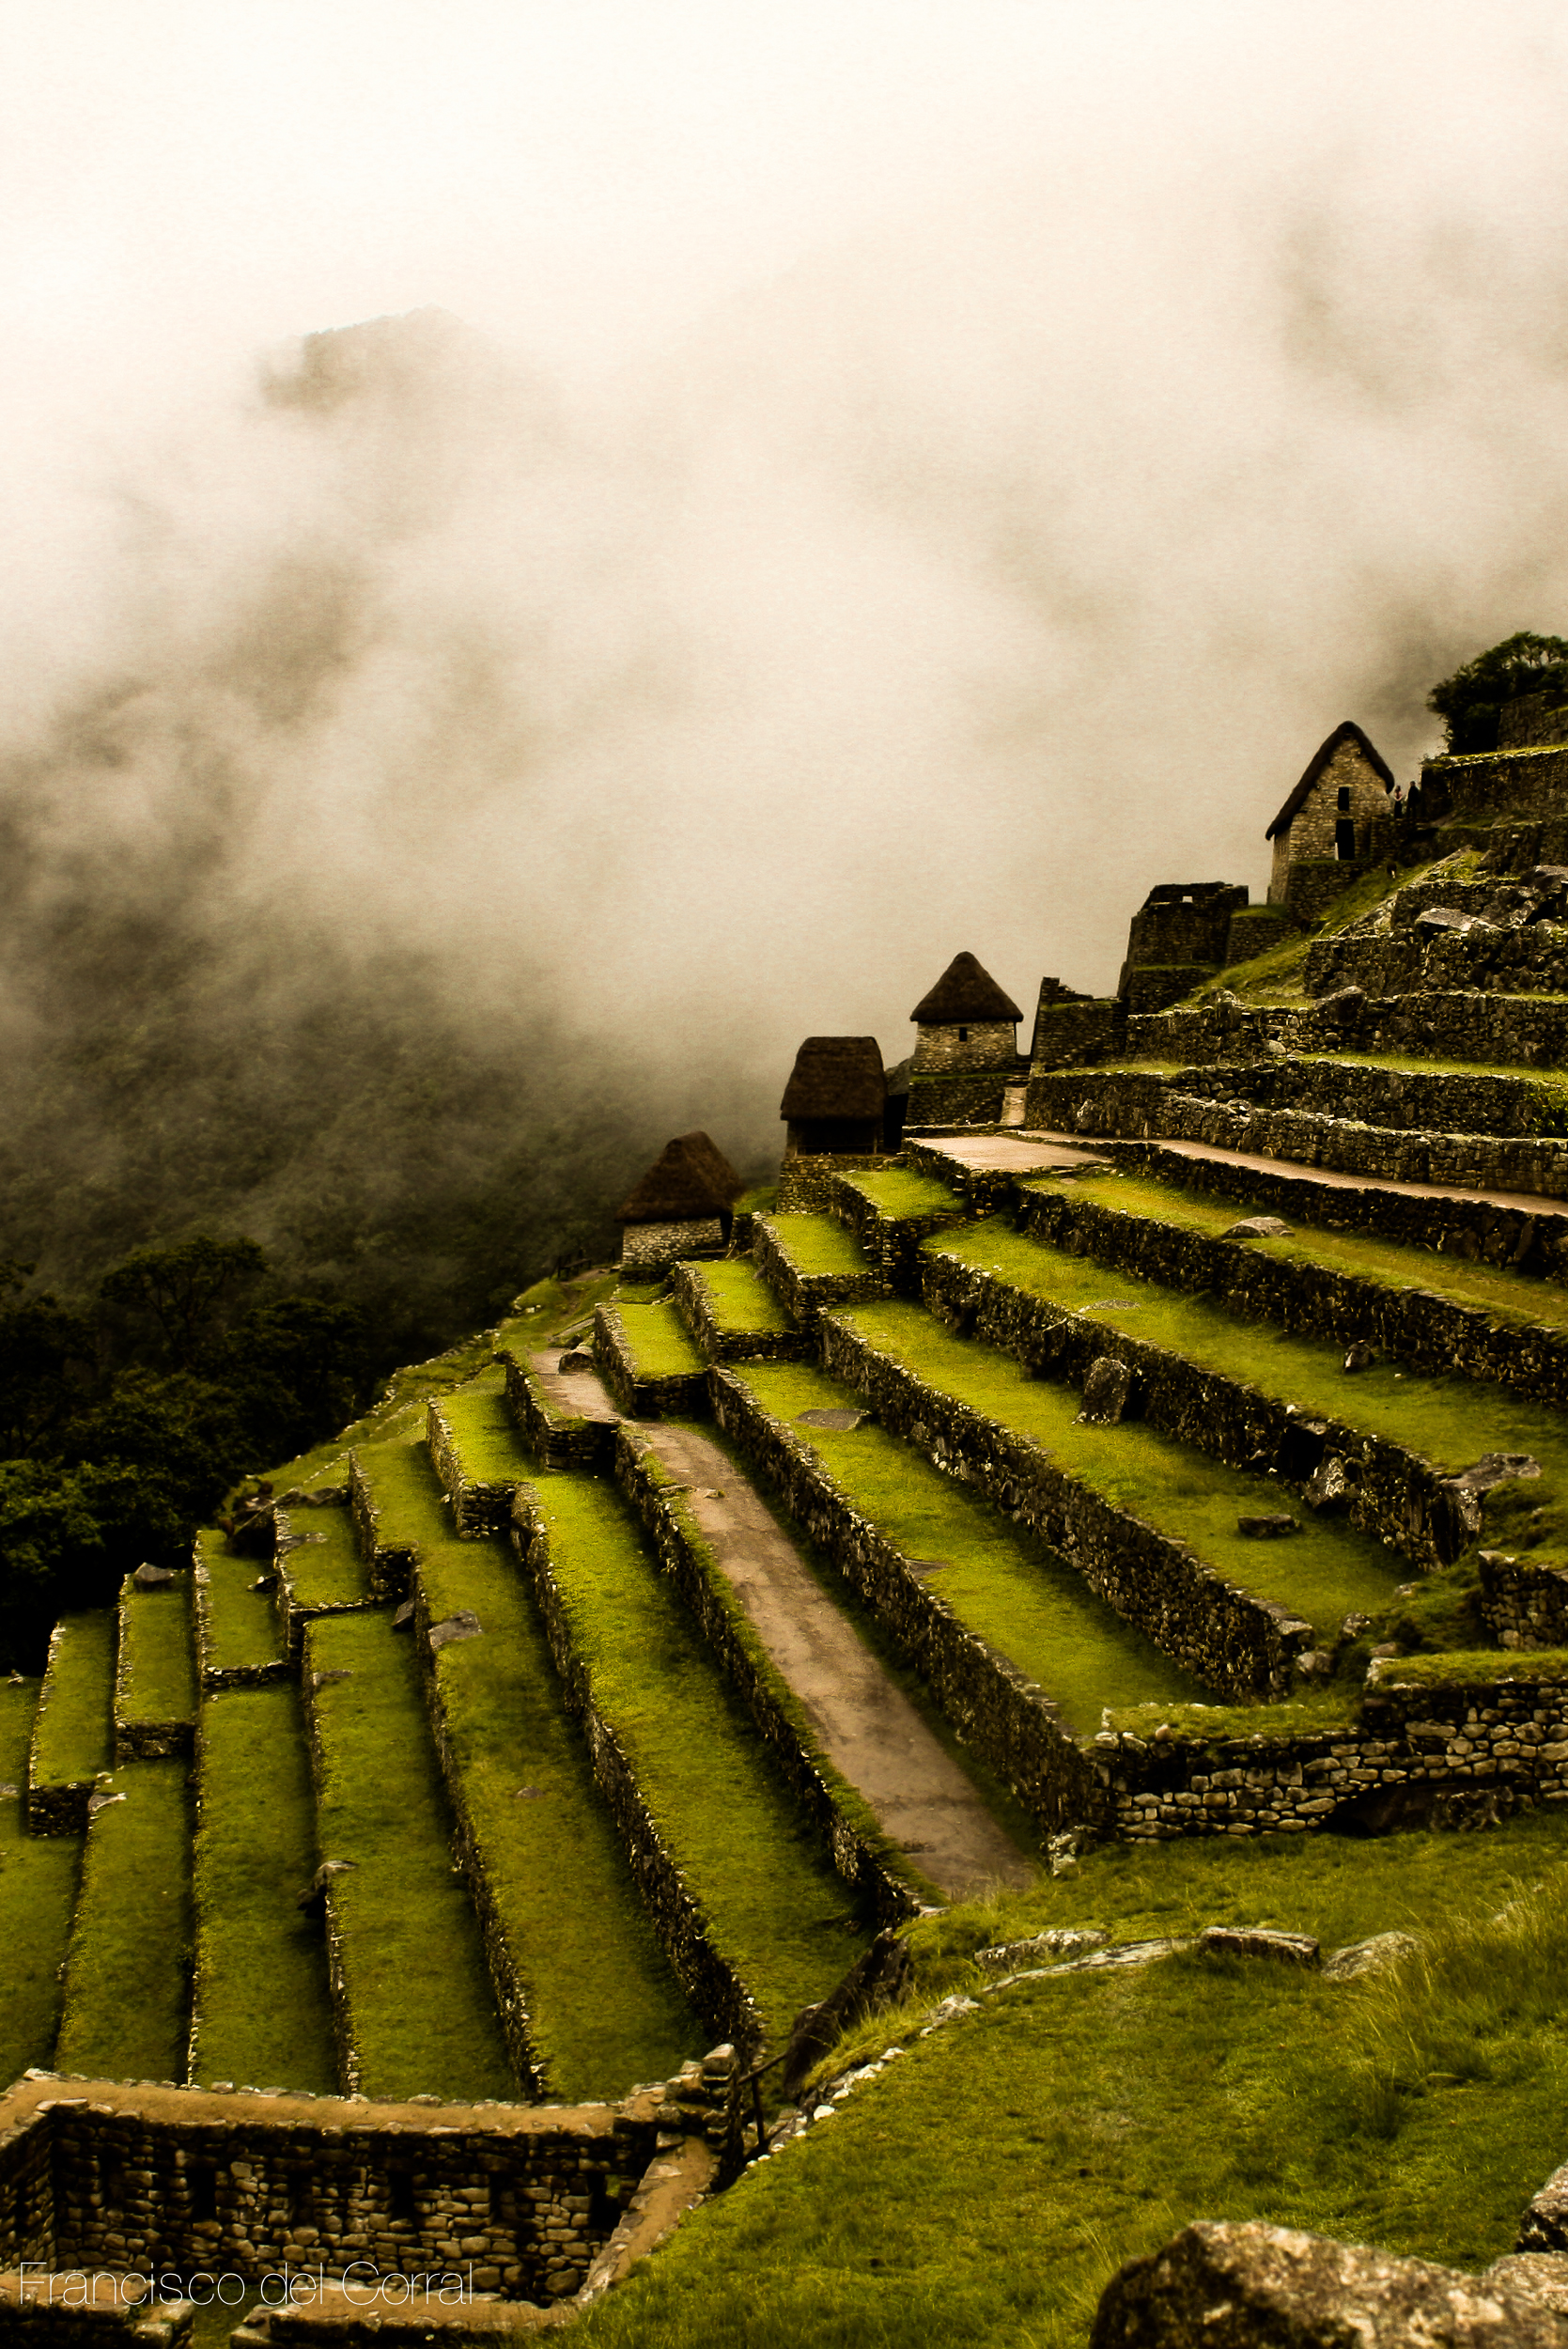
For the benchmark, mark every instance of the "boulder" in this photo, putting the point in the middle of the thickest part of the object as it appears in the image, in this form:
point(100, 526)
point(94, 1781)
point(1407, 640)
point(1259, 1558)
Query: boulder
point(152, 1578)
point(1290, 1948)
point(464, 1625)
point(313, 1900)
point(1372, 1957)
point(1359, 1356)
point(1257, 1227)
point(1239, 2284)
point(842, 1421)
point(1268, 1529)
point(1107, 1392)
point(1329, 1487)
point(403, 1619)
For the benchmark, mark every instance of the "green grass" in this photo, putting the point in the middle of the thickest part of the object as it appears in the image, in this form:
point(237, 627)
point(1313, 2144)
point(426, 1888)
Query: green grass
point(1325, 1572)
point(1449, 1421)
point(740, 1299)
point(413, 1960)
point(243, 1622)
point(1520, 1299)
point(1309, 1712)
point(484, 1433)
point(38, 1891)
point(898, 1190)
point(774, 1906)
point(76, 1725)
point(158, 1653)
point(814, 1245)
point(657, 1343)
point(325, 1570)
point(264, 2014)
point(1275, 977)
point(1475, 1664)
point(128, 1971)
point(605, 2008)
point(995, 1578)
point(984, 2187)
point(551, 1310)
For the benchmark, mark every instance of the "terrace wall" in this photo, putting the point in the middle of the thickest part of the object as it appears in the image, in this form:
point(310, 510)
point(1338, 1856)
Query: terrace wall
point(1456, 1755)
point(720, 1343)
point(1238, 1643)
point(138, 1738)
point(211, 1675)
point(552, 1440)
point(1525, 1606)
point(805, 1296)
point(295, 1614)
point(891, 1241)
point(53, 1807)
point(674, 1397)
point(478, 1507)
point(390, 1562)
point(1007, 1718)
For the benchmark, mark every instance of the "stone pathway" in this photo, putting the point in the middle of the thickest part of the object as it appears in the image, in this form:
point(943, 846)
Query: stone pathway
point(1010, 1153)
point(867, 1725)
point(1522, 1202)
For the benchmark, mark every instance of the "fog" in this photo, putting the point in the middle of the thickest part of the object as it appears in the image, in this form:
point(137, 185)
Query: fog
point(808, 498)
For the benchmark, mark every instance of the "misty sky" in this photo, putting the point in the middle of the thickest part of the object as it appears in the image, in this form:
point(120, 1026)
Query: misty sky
point(891, 478)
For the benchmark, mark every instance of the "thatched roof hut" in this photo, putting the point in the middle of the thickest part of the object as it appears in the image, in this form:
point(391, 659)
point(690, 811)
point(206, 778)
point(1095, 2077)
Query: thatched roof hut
point(690, 1182)
point(835, 1076)
point(966, 993)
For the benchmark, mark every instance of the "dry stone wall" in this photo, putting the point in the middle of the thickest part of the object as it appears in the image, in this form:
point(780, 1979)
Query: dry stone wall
point(390, 1562)
point(478, 1506)
point(211, 1675)
point(806, 1177)
point(138, 1738)
point(806, 1296)
point(1525, 1606)
point(554, 1439)
point(1006, 1717)
point(295, 1614)
point(53, 1807)
point(1242, 1645)
point(675, 1395)
point(890, 1240)
point(721, 1343)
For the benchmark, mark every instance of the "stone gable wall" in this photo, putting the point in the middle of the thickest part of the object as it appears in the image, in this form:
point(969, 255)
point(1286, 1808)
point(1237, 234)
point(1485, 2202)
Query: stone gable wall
point(1310, 830)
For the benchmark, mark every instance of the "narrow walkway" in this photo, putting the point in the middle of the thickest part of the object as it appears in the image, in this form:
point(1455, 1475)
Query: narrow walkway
point(1521, 1202)
point(869, 1727)
point(1009, 1153)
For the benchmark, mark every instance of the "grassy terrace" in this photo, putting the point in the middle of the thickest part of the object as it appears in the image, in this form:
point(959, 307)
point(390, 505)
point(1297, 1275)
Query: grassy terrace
point(38, 1891)
point(774, 1907)
point(158, 1653)
point(898, 1190)
point(658, 1343)
point(243, 1622)
point(128, 1983)
point(263, 2012)
point(605, 2008)
point(413, 1964)
point(1516, 1297)
point(483, 1432)
point(814, 1245)
point(325, 1569)
point(1099, 2113)
point(76, 1729)
point(1449, 1421)
point(1323, 1572)
point(997, 1578)
point(740, 1299)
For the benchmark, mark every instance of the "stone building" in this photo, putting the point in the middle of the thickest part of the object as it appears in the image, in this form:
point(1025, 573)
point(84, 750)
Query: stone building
point(966, 1056)
point(835, 1100)
point(681, 1207)
point(1179, 934)
point(1326, 821)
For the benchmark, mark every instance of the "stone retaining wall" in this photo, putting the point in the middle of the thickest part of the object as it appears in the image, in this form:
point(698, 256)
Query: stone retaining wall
point(552, 1439)
point(213, 1676)
point(1466, 1024)
point(1529, 961)
point(973, 1099)
point(294, 1614)
point(890, 1240)
point(679, 1395)
point(390, 1562)
point(1387, 1491)
point(1478, 787)
point(53, 1807)
point(1525, 1606)
point(1008, 1718)
point(478, 1507)
point(1418, 1326)
point(805, 1296)
point(863, 1855)
point(518, 2200)
point(1136, 1105)
point(696, 1305)
point(806, 1178)
point(1239, 1645)
point(1472, 1101)
point(709, 1980)
point(137, 1738)
point(345, 2044)
point(1470, 1753)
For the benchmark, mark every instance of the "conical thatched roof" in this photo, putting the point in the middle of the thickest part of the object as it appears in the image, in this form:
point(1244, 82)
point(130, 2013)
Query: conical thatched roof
point(1347, 731)
point(691, 1180)
point(835, 1076)
point(966, 991)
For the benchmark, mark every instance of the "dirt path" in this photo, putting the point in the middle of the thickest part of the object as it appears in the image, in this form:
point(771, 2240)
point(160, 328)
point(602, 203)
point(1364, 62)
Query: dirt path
point(868, 1726)
point(1523, 1201)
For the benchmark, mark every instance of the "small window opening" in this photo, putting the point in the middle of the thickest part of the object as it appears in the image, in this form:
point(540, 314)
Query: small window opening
point(963, 1035)
point(399, 2194)
point(204, 2191)
point(1344, 799)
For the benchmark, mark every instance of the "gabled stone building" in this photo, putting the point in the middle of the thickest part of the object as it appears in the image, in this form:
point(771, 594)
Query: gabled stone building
point(966, 1053)
point(1326, 821)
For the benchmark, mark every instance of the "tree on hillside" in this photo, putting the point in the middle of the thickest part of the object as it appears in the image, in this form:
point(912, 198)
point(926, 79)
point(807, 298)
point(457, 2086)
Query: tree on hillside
point(1468, 702)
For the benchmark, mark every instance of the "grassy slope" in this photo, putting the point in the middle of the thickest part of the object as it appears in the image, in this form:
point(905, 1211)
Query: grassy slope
point(1323, 1571)
point(413, 1959)
point(38, 1891)
point(484, 1435)
point(658, 1343)
point(815, 1244)
point(127, 1984)
point(160, 1650)
point(605, 2008)
point(1519, 1297)
point(1073, 2123)
point(243, 1621)
point(774, 1905)
point(264, 2014)
point(76, 1729)
point(1452, 1423)
point(740, 1299)
point(995, 1578)
point(1275, 977)
point(327, 1569)
point(898, 1190)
